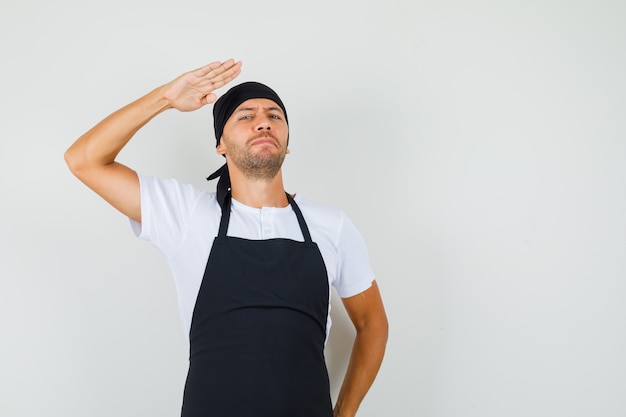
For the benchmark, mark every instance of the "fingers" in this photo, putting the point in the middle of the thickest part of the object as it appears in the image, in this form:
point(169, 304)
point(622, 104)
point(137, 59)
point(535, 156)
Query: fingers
point(208, 68)
point(218, 71)
point(194, 89)
point(225, 73)
point(213, 76)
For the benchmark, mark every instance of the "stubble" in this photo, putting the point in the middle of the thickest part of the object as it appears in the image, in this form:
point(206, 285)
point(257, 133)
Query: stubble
point(256, 164)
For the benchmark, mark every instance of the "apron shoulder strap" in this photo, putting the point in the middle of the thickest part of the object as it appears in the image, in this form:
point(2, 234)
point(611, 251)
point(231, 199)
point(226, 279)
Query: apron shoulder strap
point(303, 227)
point(225, 216)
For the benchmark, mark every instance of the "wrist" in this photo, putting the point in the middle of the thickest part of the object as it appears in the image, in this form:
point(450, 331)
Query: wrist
point(160, 101)
point(341, 411)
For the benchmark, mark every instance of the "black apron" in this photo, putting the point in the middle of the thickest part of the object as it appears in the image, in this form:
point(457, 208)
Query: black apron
point(258, 329)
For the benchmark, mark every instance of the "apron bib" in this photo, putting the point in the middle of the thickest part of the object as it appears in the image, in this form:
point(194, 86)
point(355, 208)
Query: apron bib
point(258, 329)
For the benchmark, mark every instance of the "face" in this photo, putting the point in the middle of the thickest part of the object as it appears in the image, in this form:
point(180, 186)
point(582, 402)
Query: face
point(255, 138)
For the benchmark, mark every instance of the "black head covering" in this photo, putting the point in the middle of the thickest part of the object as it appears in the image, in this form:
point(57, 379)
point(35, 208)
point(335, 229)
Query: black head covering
point(223, 109)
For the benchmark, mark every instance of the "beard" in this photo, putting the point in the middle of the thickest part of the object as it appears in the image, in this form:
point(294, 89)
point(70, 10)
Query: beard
point(262, 164)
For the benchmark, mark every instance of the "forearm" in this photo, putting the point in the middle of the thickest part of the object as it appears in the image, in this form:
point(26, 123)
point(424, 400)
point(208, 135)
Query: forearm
point(101, 144)
point(365, 360)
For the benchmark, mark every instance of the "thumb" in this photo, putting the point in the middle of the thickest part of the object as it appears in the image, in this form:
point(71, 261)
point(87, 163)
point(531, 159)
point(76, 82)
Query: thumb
point(209, 98)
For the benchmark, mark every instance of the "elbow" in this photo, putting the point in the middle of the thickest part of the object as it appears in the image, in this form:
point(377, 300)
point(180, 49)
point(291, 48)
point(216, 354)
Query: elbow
point(68, 156)
point(377, 328)
point(384, 329)
point(383, 334)
point(74, 161)
point(382, 326)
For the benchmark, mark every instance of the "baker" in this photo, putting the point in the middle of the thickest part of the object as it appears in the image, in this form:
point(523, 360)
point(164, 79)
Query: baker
point(252, 263)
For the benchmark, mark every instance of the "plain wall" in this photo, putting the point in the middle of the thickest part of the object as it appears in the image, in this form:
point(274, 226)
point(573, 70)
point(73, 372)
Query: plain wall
point(479, 146)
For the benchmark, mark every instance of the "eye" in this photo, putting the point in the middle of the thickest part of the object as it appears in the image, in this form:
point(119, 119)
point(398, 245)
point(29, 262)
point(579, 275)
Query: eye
point(275, 116)
point(245, 117)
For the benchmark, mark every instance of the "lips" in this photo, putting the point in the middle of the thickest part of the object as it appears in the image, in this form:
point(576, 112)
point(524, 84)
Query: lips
point(264, 140)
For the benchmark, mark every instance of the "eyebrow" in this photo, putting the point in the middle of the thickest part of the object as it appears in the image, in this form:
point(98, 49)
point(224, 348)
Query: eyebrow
point(272, 108)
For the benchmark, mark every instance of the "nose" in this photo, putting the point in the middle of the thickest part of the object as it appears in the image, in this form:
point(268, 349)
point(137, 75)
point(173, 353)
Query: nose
point(264, 124)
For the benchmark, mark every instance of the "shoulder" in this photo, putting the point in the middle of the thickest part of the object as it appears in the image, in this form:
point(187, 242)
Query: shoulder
point(324, 220)
point(317, 212)
point(342, 246)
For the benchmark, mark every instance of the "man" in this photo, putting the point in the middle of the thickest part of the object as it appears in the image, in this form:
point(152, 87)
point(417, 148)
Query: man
point(252, 263)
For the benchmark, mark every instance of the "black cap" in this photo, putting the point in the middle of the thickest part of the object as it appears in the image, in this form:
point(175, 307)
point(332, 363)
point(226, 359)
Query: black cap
point(228, 103)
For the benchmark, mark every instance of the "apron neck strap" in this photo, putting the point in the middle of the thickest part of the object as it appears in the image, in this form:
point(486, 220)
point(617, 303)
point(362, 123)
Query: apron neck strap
point(303, 227)
point(225, 215)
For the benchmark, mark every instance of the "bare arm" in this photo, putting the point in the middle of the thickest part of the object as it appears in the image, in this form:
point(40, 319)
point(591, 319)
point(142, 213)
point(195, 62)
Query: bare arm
point(367, 313)
point(92, 157)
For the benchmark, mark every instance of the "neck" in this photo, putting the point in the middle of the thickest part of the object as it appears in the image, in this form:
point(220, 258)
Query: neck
point(257, 192)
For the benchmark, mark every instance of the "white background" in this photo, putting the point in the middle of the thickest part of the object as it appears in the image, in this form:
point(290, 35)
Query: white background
point(479, 146)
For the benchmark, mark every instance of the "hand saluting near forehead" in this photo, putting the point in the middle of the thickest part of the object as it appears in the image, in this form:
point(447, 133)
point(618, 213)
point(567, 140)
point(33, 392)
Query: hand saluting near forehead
point(92, 158)
point(194, 89)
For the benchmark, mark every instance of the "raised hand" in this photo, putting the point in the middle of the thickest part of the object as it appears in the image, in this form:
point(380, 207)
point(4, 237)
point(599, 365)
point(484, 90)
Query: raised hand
point(194, 89)
point(92, 158)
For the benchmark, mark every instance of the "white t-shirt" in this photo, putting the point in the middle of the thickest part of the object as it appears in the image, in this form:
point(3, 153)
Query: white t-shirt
point(182, 222)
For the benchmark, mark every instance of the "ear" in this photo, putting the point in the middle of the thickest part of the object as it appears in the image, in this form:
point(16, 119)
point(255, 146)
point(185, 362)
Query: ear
point(220, 149)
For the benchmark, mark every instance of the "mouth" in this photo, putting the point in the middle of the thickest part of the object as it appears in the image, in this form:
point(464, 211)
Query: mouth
point(264, 139)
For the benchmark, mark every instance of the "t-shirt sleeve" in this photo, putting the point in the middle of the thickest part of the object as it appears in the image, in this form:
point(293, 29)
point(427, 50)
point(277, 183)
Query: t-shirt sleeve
point(354, 274)
point(166, 207)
